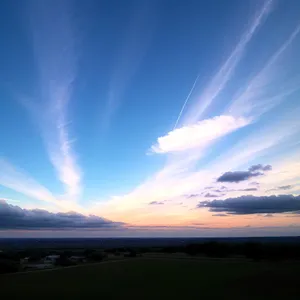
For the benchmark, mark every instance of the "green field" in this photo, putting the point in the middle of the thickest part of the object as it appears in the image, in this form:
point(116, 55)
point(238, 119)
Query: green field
point(159, 279)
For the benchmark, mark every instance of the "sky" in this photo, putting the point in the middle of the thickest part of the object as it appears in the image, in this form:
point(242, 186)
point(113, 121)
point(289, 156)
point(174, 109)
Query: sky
point(149, 118)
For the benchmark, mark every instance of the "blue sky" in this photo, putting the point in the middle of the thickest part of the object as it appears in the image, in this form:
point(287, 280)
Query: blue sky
point(130, 112)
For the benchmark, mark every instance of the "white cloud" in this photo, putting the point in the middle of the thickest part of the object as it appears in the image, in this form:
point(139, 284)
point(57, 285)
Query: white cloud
point(199, 135)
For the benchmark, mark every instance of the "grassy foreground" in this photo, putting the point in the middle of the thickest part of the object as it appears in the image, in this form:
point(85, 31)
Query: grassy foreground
point(159, 279)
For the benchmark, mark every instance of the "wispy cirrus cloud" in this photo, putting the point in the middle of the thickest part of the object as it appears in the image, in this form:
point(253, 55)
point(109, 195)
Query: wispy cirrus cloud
point(16, 179)
point(226, 71)
point(266, 89)
point(134, 46)
point(260, 94)
point(253, 102)
point(20, 181)
point(196, 133)
point(54, 44)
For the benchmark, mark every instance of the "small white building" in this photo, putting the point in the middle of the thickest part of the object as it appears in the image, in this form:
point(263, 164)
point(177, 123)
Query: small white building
point(77, 259)
point(51, 259)
point(24, 261)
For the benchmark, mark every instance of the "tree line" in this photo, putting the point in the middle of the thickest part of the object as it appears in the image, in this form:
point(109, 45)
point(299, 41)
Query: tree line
point(10, 260)
point(251, 250)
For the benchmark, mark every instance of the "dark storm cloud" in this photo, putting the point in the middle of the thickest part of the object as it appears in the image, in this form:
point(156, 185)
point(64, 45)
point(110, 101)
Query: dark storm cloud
point(209, 195)
point(237, 176)
point(156, 203)
point(220, 215)
point(281, 188)
point(14, 217)
point(260, 167)
point(218, 193)
point(206, 195)
point(285, 187)
point(245, 205)
point(193, 195)
point(236, 190)
point(248, 190)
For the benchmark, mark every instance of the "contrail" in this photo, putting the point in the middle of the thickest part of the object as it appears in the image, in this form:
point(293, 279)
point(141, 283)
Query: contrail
point(186, 101)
